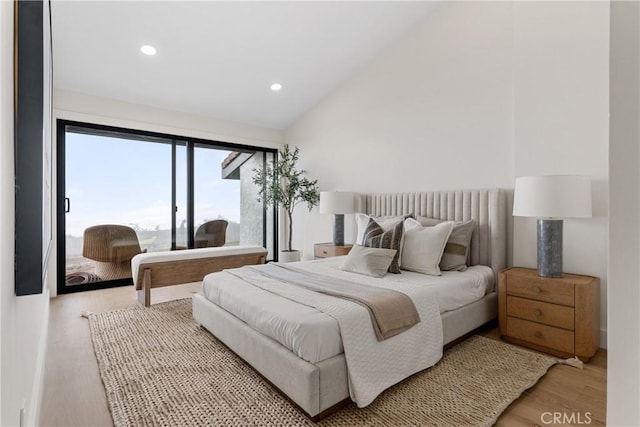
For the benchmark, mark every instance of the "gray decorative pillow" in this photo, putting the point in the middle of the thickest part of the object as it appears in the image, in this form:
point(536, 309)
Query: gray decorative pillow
point(386, 222)
point(376, 237)
point(456, 252)
point(425, 221)
point(372, 262)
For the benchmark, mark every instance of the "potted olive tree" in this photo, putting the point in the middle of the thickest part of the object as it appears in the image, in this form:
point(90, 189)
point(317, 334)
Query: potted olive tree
point(282, 185)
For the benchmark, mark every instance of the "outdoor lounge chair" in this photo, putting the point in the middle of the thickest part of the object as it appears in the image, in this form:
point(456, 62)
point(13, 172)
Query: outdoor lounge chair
point(111, 247)
point(211, 234)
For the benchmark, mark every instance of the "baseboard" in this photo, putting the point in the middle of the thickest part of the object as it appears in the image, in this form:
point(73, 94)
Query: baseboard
point(33, 416)
point(603, 338)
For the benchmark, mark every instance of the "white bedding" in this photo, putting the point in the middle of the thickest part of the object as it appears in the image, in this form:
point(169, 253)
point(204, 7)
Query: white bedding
point(315, 336)
point(372, 365)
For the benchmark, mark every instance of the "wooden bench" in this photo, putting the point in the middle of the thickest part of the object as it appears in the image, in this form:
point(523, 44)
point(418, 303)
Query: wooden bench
point(167, 268)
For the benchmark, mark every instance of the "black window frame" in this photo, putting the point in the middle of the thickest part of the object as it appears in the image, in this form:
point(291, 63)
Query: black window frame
point(63, 125)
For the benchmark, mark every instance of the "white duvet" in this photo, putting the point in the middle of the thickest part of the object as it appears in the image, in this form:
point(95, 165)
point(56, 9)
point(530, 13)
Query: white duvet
point(315, 336)
point(268, 306)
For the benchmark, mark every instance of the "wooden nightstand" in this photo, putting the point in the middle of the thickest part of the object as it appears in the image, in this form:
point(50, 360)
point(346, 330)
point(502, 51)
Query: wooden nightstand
point(560, 316)
point(326, 250)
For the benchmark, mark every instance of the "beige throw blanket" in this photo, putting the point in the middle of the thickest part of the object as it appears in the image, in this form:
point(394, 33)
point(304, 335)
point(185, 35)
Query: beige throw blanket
point(391, 312)
point(372, 365)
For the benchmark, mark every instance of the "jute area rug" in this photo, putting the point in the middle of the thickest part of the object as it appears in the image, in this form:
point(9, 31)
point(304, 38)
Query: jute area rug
point(160, 368)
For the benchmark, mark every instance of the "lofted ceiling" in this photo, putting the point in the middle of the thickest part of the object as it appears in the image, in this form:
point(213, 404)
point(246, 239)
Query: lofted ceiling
point(219, 59)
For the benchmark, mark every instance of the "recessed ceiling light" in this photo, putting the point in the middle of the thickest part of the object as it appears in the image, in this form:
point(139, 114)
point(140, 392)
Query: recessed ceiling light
point(148, 50)
point(276, 86)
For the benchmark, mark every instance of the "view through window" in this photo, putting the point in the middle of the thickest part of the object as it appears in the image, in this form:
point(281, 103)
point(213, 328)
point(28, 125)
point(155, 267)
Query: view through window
point(128, 192)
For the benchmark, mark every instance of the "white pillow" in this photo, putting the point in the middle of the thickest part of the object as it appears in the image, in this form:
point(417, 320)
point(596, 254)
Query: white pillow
point(385, 222)
point(423, 246)
point(456, 251)
point(372, 262)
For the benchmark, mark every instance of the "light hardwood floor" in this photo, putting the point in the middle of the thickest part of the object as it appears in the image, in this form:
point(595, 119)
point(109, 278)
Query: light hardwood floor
point(74, 395)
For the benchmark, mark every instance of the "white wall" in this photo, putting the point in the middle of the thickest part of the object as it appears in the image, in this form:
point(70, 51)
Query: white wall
point(23, 320)
point(92, 109)
point(474, 96)
point(431, 112)
point(623, 373)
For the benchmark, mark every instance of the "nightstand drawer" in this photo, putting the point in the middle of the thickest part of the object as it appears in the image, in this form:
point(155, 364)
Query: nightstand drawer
point(326, 250)
point(555, 315)
point(549, 290)
point(543, 335)
point(541, 312)
point(322, 251)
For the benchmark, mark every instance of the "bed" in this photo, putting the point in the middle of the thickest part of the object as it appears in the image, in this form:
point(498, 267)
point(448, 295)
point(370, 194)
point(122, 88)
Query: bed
point(314, 375)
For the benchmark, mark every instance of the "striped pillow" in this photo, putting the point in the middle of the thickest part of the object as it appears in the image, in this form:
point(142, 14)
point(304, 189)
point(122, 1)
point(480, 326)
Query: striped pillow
point(386, 222)
point(456, 253)
point(376, 237)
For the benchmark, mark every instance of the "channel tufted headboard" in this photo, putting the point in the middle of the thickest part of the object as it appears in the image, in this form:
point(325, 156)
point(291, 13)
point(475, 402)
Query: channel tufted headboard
point(487, 207)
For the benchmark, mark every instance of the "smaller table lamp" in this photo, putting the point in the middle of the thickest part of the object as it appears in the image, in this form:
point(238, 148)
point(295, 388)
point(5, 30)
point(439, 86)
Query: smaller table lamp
point(550, 198)
point(337, 203)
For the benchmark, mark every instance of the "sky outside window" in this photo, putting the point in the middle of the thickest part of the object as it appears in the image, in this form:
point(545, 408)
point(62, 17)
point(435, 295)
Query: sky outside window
point(121, 181)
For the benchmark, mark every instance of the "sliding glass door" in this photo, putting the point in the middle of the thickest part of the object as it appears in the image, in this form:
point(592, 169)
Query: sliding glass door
point(215, 199)
point(227, 193)
point(124, 192)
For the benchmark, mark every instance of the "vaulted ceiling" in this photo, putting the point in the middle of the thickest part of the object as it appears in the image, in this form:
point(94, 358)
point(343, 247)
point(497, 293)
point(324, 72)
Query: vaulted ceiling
point(219, 59)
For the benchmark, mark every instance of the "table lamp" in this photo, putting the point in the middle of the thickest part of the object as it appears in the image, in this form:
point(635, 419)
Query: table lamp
point(337, 203)
point(551, 198)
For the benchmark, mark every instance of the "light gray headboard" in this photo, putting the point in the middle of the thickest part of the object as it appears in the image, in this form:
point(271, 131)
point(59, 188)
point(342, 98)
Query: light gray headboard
point(487, 207)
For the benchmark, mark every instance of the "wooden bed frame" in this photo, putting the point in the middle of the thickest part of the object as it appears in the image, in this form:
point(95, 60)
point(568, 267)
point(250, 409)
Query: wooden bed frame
point(321, 388)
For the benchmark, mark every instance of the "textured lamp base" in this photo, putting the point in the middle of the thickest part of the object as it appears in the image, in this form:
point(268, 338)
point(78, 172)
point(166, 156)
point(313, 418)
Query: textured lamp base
point(338, 229)
point(550, 247)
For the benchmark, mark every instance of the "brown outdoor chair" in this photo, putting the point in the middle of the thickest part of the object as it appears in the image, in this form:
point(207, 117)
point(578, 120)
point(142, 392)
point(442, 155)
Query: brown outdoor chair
point(211, 234)
point(111, 247)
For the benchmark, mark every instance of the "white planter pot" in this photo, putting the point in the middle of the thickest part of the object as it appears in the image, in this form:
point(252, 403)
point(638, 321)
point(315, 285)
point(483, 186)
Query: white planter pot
point(289, 256)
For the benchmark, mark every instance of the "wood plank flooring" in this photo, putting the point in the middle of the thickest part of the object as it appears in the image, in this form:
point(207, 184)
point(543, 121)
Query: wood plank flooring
point(74, 395)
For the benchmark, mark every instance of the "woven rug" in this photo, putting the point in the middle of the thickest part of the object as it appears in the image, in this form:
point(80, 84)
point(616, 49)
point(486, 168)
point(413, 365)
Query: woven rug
point(159, 368)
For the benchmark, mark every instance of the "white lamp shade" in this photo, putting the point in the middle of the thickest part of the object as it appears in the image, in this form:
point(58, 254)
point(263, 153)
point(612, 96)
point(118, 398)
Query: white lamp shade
point(336, 202)
point(553, 196)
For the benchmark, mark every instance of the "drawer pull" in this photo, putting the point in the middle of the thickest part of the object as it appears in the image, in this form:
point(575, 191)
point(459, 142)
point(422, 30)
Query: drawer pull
point(537, 334)
point(536, 289)
point(537, 312)
point(324, 252)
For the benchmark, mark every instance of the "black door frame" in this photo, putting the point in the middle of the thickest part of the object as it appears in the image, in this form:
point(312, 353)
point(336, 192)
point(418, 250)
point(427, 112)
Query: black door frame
point(61, 128)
